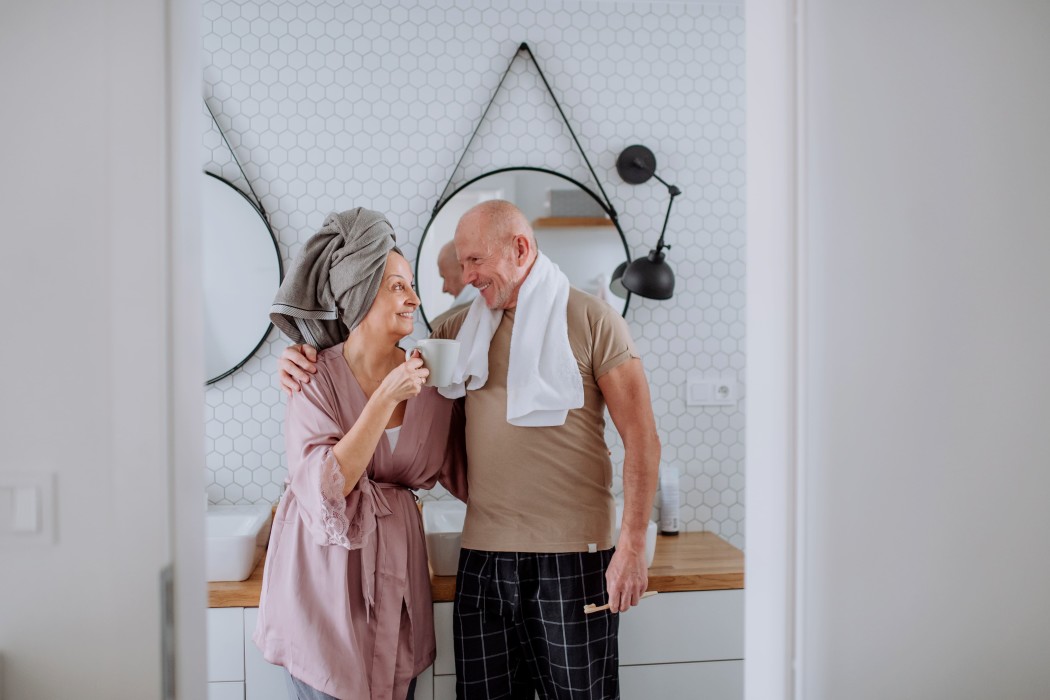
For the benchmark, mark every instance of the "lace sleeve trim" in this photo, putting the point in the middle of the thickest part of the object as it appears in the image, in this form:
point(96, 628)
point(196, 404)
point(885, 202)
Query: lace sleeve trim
point(333, 504)
point(348, 532)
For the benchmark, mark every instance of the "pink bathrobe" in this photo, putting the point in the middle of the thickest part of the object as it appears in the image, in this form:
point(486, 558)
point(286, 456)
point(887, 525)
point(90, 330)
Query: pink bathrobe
point(346, 604)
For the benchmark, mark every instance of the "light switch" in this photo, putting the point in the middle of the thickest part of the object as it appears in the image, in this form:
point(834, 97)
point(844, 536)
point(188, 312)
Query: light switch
point(25, 509)
point(698, 393)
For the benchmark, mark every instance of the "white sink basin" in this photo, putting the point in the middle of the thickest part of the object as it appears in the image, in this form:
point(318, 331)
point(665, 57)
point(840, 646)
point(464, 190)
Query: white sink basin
point(443, 525)
point(235, 540)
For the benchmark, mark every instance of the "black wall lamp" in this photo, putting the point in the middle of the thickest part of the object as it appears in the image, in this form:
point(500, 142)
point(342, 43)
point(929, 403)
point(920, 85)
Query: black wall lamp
point(651, 276)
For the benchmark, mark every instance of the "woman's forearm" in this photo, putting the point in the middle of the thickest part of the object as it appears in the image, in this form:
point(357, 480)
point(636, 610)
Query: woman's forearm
point(354, 451)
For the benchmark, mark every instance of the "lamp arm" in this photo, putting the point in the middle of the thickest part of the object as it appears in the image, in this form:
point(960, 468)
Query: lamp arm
point(666, 184)
point(674, 193)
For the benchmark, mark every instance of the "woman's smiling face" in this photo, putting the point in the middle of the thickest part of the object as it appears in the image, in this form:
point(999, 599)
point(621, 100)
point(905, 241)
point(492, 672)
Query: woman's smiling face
point(394, 308)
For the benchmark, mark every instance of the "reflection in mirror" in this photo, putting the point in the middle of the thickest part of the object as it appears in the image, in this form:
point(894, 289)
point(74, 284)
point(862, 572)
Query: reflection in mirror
point(242, 271)
point(572, 228)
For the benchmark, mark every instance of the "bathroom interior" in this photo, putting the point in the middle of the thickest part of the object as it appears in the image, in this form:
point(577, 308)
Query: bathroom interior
point(313, 108)
point(893, 379)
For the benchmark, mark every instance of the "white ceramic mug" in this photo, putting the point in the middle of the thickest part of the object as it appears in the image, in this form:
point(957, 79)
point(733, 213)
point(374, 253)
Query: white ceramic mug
point(439, 356)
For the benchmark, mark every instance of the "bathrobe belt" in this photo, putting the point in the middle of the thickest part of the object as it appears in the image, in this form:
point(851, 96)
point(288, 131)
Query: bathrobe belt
point(383, 601)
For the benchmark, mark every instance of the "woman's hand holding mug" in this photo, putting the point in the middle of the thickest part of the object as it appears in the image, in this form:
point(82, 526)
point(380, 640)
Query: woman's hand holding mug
point(406, 380)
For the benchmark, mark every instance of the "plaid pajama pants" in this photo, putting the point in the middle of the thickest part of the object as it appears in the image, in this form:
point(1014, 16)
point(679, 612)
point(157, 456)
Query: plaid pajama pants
point(519, 627)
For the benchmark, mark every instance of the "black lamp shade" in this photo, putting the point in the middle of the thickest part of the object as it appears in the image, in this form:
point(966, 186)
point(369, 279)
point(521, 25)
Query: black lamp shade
point(650, 277)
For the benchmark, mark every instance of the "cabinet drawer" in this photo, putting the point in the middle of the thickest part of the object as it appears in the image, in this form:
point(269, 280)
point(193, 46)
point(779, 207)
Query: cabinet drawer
point(681, 627)
point(444, 688)
point(425, 684)
point(226, 691)
point(711, 680)
point(445, 662)
point(225, 644)
point(262, 681)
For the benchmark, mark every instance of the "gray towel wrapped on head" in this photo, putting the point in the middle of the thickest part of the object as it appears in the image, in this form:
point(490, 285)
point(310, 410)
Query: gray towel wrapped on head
point(334, 280)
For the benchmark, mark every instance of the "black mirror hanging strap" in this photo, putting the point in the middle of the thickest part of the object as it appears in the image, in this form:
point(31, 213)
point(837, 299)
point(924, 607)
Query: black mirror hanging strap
point(524, 47)
point(236, 160)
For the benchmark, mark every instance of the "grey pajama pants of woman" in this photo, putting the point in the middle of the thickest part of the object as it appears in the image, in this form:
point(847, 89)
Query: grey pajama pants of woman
point(297, 690)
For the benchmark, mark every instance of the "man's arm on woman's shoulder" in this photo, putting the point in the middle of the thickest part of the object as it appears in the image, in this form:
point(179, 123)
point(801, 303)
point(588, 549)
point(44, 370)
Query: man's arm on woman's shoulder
point(295, 366)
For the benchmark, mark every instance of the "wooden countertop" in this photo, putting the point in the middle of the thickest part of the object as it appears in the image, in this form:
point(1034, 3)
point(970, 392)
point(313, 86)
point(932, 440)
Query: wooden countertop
point(696, 561)
point(237, 594)
point(691, 561)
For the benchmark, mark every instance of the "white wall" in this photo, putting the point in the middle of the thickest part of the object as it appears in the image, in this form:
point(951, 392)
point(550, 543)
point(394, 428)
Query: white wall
point(925, 468)
point(83, 191)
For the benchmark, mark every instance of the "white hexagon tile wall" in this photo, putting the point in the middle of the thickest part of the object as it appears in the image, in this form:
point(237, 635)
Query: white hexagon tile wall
point(332, 105)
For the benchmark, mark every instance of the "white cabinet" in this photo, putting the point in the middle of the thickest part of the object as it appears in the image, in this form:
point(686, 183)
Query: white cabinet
point(674, 645)
point(225, 645)
point(680, 627)
point(262, 681)
point(225, 691)
point(444, 688)
point(236, 668)
point(425, 684)
point(684, 645)
point(707, 680)
point(445, 663)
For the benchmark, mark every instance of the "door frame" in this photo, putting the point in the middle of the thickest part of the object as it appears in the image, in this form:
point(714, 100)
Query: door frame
point(776, 349)
point(186, 361)
point(776, 294)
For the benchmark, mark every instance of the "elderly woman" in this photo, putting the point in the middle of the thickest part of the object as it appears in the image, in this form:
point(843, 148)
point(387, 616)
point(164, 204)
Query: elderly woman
point(346, 605)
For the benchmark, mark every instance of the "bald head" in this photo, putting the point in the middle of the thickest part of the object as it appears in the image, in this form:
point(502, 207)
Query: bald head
point(501, 221)
point(450, 270)
point(496, 248)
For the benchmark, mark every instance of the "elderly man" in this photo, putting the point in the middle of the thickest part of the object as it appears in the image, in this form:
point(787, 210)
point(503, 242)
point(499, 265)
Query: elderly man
point(452, 282)
point(537, 542)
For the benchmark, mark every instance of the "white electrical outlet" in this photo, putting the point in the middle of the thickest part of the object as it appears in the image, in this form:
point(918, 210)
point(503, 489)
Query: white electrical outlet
point(711, 392)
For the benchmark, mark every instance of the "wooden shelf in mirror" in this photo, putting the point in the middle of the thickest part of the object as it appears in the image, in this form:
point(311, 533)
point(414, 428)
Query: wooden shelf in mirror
point(567, 221)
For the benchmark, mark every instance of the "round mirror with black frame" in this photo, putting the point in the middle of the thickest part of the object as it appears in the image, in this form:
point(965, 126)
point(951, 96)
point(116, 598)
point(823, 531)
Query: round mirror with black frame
point(572, 225)
point(242, 271)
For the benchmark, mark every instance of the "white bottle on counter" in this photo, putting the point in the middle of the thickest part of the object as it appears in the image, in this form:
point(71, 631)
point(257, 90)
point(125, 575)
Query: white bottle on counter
point(669, 500)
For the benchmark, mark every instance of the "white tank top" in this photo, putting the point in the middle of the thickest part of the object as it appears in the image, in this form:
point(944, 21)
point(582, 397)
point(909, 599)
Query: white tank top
point(392, 435)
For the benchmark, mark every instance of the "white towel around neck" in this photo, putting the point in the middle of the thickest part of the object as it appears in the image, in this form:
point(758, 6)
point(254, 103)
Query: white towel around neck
point(543, 379)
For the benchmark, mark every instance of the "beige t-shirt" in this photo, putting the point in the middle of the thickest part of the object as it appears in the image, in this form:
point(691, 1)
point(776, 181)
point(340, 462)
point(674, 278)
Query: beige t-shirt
point(543, 489)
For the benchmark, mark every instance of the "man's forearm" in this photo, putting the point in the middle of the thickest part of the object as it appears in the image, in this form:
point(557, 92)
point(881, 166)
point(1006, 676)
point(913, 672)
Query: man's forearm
point(626, 394)
point(641, 467)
